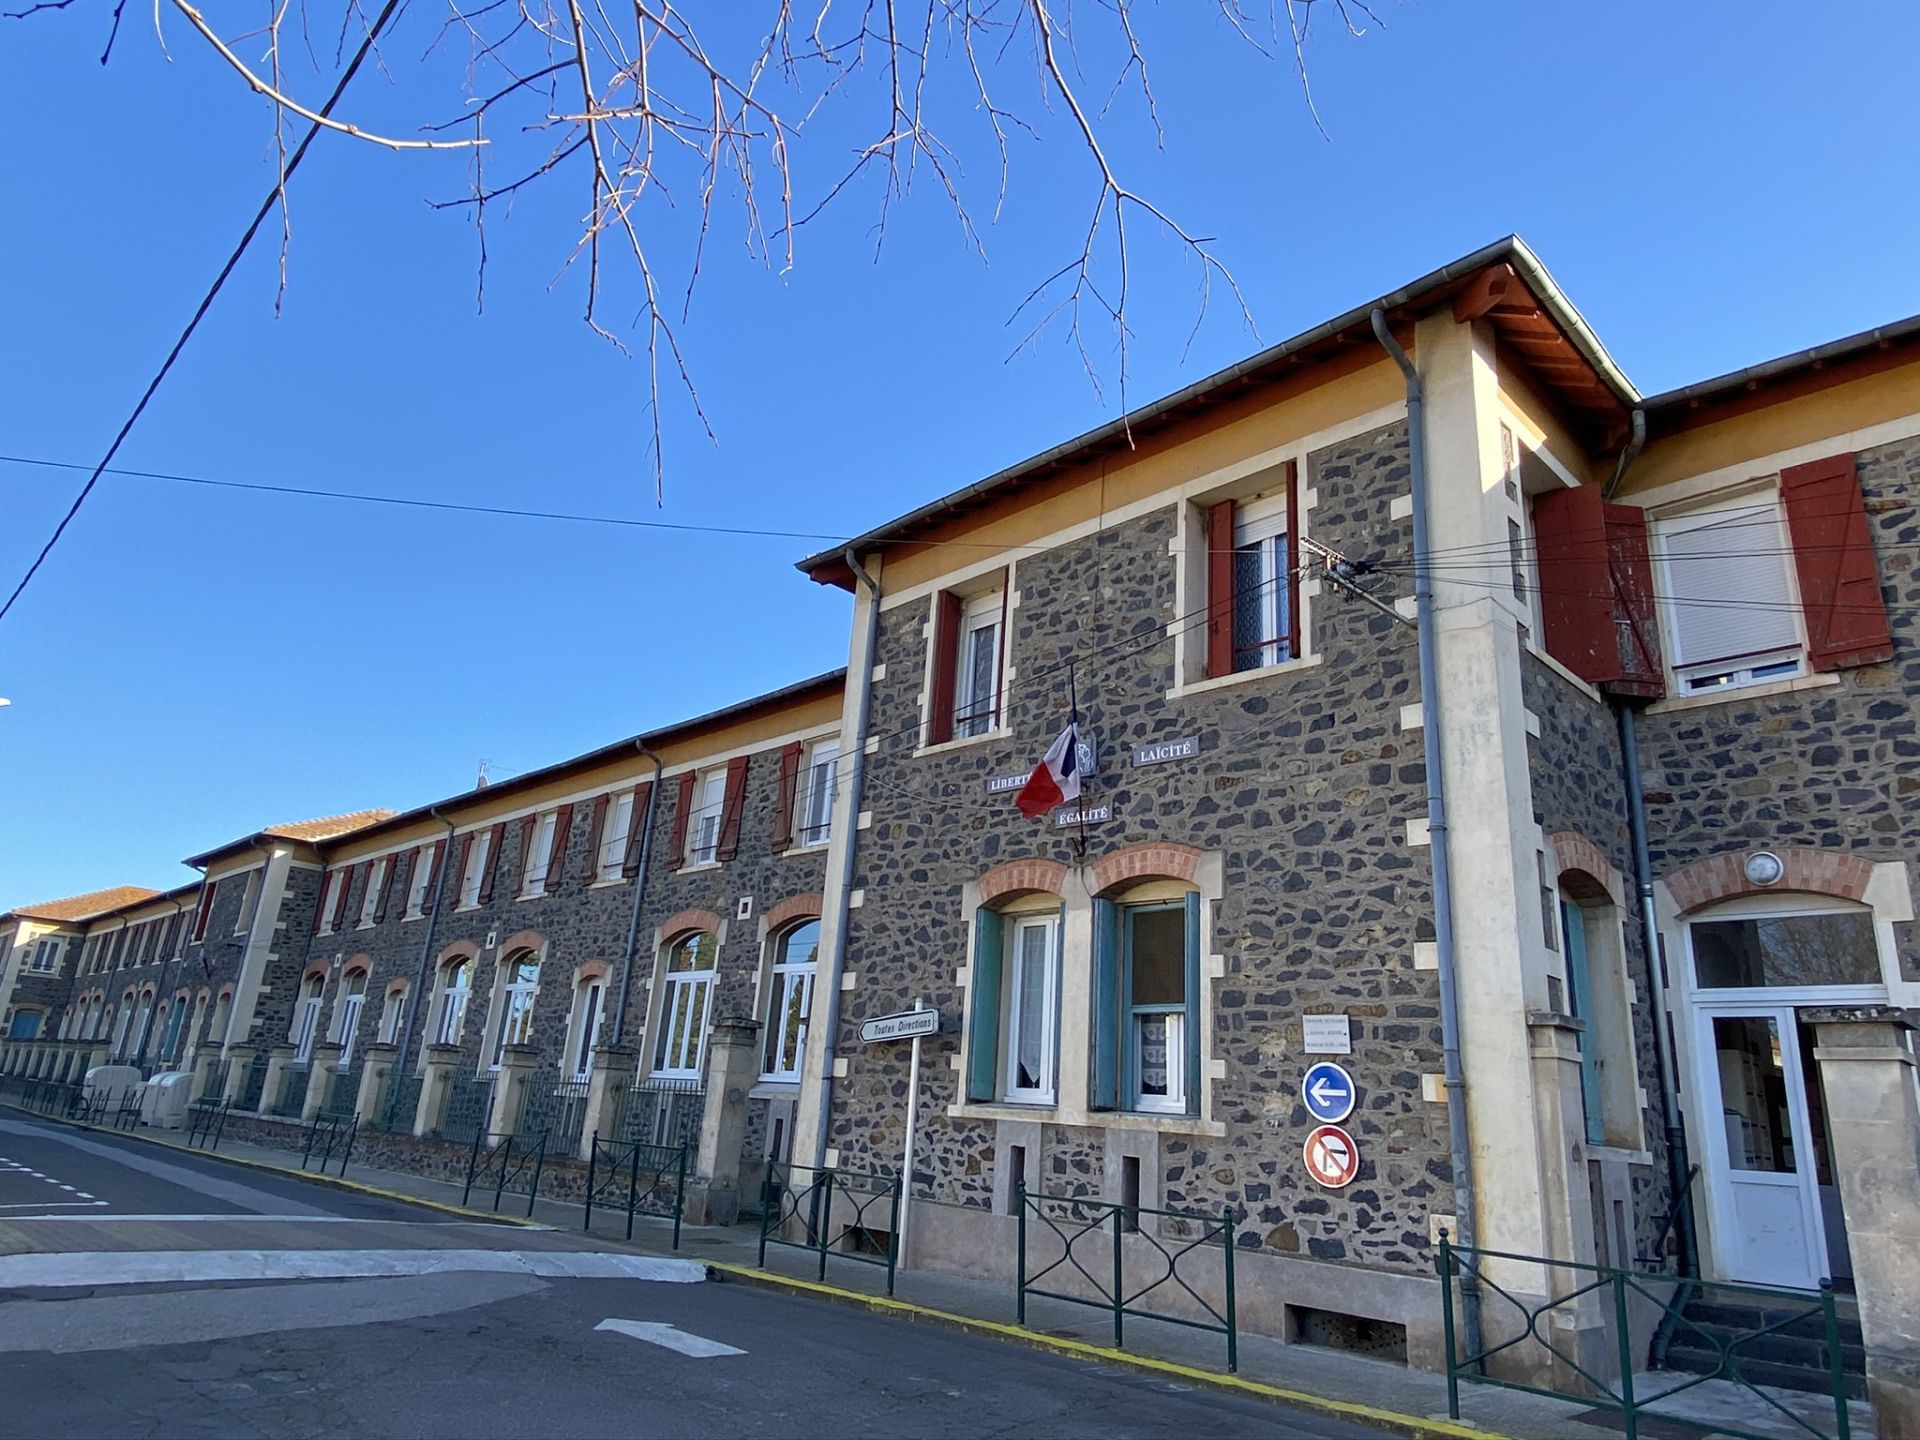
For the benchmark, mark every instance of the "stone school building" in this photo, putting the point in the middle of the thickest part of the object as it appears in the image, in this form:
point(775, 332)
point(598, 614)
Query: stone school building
point(1608, 921)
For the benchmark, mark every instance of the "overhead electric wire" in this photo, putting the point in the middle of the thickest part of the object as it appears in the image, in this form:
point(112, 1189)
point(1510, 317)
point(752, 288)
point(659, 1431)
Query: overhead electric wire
point(278, 192)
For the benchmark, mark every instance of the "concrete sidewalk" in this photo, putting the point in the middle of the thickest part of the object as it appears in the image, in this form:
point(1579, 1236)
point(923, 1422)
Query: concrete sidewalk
point(1386, 1394)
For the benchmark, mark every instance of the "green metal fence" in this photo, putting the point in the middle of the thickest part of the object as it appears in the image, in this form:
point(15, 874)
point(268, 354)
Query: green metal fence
point(1141, 1262)
point(328, 1136)
point(506, 1164)
point(1614, 1291)
point(835, 1213)
point(206, 1120)
point(640, 1179)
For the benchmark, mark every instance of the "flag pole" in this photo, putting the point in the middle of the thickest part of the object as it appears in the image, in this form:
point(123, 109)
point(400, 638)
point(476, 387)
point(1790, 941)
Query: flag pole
point(1073, 697)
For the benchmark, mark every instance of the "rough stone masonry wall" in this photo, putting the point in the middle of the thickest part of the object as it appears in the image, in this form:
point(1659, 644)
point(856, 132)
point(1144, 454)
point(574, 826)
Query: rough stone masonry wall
point(1577, 784)
point(1834, 767)
point(1305, 785)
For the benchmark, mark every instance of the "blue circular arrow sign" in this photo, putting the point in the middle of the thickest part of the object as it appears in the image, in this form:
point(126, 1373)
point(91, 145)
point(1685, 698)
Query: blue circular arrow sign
point(1329, 1093)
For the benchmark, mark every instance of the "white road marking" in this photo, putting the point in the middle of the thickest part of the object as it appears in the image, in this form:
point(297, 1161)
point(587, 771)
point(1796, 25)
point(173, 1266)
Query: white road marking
point(269, 1219)
point(42, 1204)
point(668, 1338)
point(151, 1267)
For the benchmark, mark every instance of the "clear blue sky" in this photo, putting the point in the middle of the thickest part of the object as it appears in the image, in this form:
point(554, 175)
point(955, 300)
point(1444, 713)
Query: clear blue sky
point(1712, 183)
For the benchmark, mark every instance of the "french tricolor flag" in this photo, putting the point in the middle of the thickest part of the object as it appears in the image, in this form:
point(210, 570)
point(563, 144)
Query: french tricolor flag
point(1056, 779)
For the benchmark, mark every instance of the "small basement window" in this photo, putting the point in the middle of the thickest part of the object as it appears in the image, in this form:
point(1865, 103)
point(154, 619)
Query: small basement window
point(1355, 1334)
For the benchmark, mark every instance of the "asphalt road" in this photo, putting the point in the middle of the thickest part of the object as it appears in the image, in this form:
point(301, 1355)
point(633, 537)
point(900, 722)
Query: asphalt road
point(144, 1293)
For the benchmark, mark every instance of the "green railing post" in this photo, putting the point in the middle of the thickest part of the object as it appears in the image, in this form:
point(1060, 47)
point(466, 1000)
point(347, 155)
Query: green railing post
point(1020, 1272)
point(1628, 1414)
point(898, 1187)
point(504, 1158)
point(473, 1165)
point(1119, 1278)
point(539, 1168)
point(826, 1224)
point(633, 1196)
point(1446, 1325)
point(680, 1202)
point(1836, 1367)
point(1226, 1256)
point(769, 1213)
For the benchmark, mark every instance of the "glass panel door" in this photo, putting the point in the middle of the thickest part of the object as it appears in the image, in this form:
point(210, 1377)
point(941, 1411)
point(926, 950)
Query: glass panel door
point(1760, 1169)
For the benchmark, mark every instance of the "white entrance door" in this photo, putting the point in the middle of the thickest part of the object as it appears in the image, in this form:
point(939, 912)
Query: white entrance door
point(1758, 1142)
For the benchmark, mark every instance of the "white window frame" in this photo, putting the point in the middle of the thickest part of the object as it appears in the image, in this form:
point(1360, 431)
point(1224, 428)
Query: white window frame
point(417, 882)
point(306, 1027)
point(1174, 1102)
point(519, 993)
point(1262, 521)
point(347, 1010)
point(538, 861)
point(479, 856)
point(614, 836)
point(1045, 1093)
point(703, 825)
point(785, 978)
point(393, 1011)
point(584, 1025)
point(813, 807)
point(329, 900)
point(454, 999)
point(249, 901)
point(376, 882)
point(975, 715)
point(692, 988)
point(1767, 533)
point(46, 955)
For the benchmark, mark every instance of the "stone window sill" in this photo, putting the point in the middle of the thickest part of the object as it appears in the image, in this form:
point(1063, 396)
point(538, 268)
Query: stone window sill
point(1092, 1119)
point(1817, 681)
point(999, 732)
point(1281, 671)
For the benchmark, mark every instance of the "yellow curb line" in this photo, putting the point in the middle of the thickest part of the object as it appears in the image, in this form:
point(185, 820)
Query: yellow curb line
point(1412, 1425)
point(332, 1182)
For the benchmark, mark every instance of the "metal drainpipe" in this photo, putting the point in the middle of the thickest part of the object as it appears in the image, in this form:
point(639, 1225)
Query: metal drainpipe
point(837, 959)
point(1437, 838)
point(639, 893)
point(414, 1008)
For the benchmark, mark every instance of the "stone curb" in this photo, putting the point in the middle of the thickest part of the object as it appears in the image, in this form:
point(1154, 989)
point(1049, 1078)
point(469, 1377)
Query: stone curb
point(1415, 1426)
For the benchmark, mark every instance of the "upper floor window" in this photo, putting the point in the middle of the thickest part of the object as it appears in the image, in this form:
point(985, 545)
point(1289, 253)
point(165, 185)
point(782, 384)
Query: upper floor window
point(539, 857)
point(46, 955)
point(332, 897)
point(611, 843)
point(1252, 564)
point(703, 829)
point(372, 902)
point(479, 862)
point(968, 660)
point(1731, 606)
point(815, 821)
point(249, 902)
point(426, 866)
point(684, 1002)
point(790, 997)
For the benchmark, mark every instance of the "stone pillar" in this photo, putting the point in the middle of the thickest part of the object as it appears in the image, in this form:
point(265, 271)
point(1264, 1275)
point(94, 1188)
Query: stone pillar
point(375, 1076)
point(517, 1066)
point(325, 1060)
point(1580, 1329)
point(442, 1063)
point(278, 1059)
point(733, 1064)
point(1873, 1115)
point(614, 1067)
point(203, 1064)
point(237, 1065)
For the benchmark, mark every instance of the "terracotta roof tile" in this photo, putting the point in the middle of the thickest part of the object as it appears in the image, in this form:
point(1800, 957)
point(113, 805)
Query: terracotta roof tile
point(83, 907)
point(330, 827)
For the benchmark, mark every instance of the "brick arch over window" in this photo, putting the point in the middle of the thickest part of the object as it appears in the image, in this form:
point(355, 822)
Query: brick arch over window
point(358, 962)
point(1020, 875)
point(1724, 877)
point(591, 970)
point(794, 907)
point(459, 950)
point(314, 967)
point(1160, 859)
point(687, 920)
point(1573, 851)
point(523, 940)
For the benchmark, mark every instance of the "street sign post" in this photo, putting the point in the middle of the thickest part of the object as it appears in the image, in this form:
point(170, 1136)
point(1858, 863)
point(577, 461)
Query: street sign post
point(1328, 1092)
point(1332, 1156)
point(907, 1025)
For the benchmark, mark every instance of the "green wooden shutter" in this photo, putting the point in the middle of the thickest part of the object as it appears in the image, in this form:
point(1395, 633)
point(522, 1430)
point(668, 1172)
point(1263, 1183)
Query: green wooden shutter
point(983, 1020)
point(1573, 931)
point(1105, 1091)
point(1194, 1037)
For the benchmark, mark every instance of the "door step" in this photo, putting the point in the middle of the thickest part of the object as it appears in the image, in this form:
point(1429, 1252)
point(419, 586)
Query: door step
point(1790, 1357)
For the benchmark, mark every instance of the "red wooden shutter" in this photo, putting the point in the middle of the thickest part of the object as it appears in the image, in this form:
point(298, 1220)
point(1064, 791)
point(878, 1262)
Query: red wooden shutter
point(461, 856)
point(1576, 608)
point(597, 837)
point(784, 801)
point(946, 665)
point(557, 860)
point(1220, 589)
point(1290, 582)
point(682, 812)
point(340, 899)
point(731, 808)
point(637, 822)
point(206, 908)
point(1833, 555)
point(430, 856)
point(386, 889)
point(494, 846)
point(1636, 623)
point(529, 826)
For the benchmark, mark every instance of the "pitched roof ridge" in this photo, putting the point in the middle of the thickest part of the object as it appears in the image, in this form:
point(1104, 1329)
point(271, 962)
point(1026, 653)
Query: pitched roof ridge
point(87, 904)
